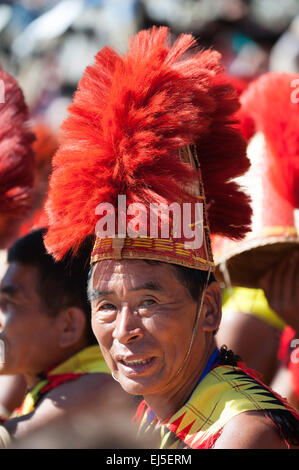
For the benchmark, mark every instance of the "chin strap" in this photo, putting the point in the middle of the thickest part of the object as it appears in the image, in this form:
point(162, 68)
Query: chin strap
point(194, 330)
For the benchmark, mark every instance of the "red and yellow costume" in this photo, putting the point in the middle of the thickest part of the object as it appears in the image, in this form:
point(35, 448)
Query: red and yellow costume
point(87, 361)
point(224, 392)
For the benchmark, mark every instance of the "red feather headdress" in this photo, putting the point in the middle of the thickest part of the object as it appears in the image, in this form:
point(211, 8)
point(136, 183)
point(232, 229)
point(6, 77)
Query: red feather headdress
point(271, 103)
point(270, 115)
point(16, 159)
point(131, 117)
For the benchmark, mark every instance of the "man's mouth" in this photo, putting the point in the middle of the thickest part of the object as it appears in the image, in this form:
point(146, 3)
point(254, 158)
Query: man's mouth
point(137, 365)
point(134, 362)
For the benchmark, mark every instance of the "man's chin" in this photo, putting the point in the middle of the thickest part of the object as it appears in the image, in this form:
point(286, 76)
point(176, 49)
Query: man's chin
point(136, 386)
point(131, 387)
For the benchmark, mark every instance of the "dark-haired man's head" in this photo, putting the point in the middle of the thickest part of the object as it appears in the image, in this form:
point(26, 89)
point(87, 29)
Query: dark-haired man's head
point(44, 309)
point(154, 322)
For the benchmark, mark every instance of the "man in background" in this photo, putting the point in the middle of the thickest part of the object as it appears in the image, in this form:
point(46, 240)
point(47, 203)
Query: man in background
point(45, 327)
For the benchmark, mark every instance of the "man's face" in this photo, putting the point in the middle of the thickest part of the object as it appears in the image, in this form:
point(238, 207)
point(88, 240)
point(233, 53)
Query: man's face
point(28, 334)
point(142, 317)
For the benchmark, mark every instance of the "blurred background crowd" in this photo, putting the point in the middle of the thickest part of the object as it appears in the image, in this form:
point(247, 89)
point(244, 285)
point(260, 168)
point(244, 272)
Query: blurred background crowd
point(46, 44)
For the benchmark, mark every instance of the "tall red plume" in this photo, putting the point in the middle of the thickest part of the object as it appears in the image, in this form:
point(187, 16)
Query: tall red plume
point(16, 159)
point(272, 103)
point(129, 117)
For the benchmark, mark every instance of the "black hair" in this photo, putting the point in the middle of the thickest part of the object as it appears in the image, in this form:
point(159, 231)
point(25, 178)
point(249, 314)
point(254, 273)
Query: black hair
point(62, 284)
point(195, 280)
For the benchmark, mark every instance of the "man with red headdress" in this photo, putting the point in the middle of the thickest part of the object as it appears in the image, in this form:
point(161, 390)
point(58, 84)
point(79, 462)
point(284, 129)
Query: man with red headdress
point(148, 131)
point(268, 257)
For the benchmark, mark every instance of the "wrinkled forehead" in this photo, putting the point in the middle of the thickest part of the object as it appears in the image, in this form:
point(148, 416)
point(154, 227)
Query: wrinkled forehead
point(131, 274)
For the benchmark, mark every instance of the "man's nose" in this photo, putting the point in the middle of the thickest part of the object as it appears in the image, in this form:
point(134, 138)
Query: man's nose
point(128, 326)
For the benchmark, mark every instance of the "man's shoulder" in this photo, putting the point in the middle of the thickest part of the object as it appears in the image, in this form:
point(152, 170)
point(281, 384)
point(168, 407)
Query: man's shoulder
point(84, 384)
point(250, 430)
point(88, 393)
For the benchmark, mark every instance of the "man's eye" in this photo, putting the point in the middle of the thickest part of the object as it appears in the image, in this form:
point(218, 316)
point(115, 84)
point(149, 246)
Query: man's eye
point(148, 302)
point(107, 307)
point(105, 313)
point(147, 307)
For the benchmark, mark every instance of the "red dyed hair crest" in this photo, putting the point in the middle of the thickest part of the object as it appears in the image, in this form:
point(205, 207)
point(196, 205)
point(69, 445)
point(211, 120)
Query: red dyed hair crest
point(270, 117)
point(130, 117)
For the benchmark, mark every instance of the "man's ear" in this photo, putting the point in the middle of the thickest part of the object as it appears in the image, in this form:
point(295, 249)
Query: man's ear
point(72, 326)
point(212, 308)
